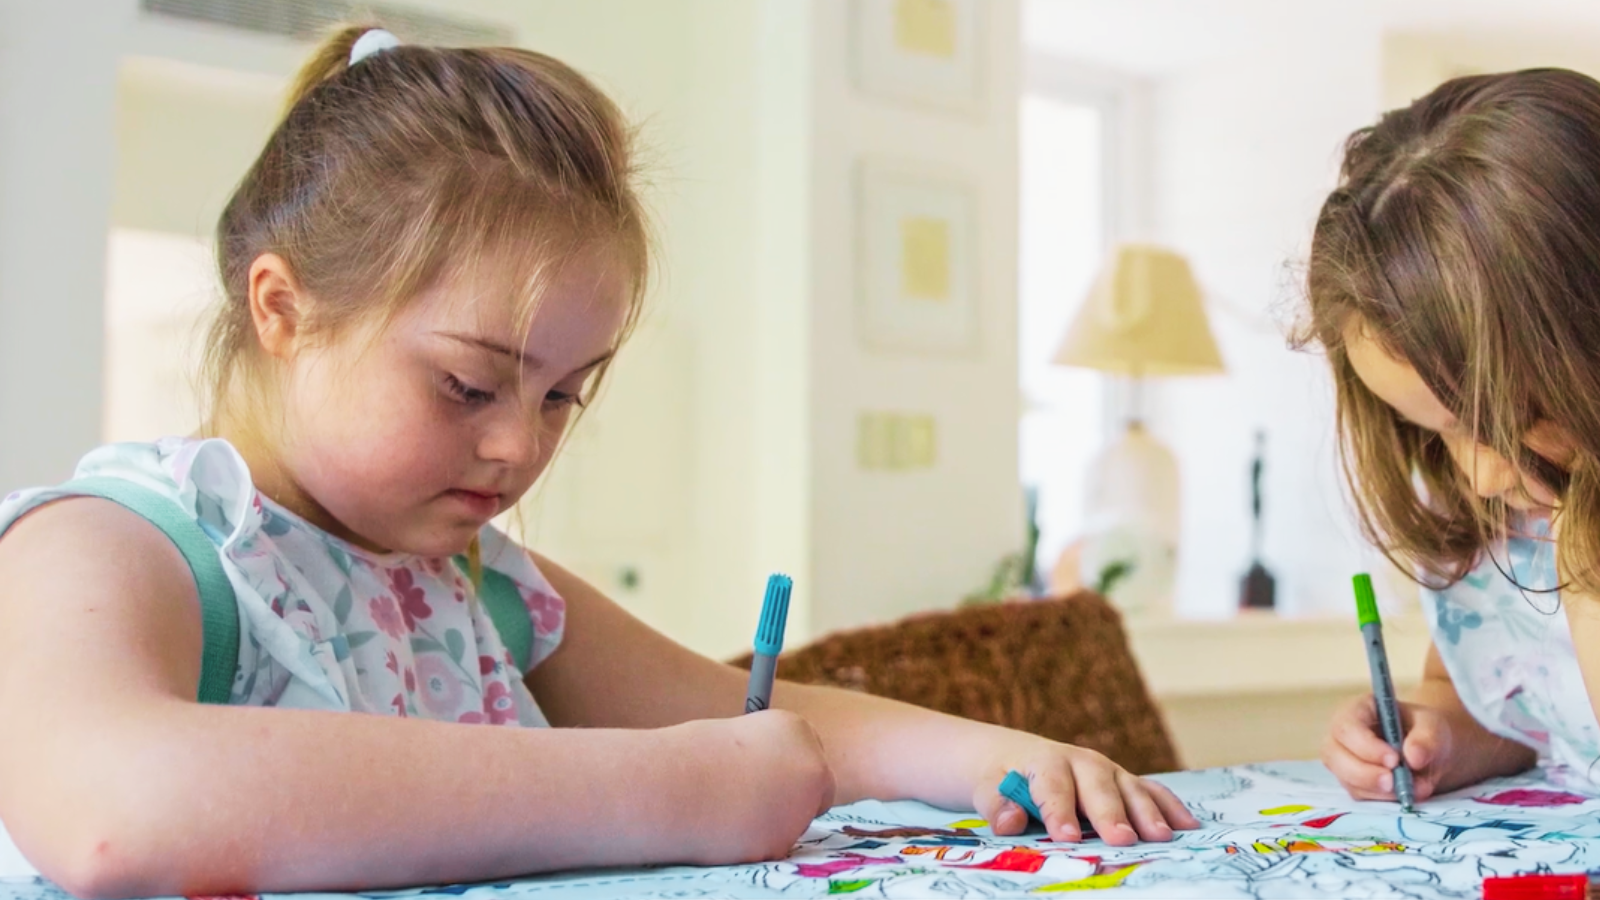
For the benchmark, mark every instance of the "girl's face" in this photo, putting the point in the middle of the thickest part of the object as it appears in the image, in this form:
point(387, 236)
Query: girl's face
point(412, 437)
point(1491, 475)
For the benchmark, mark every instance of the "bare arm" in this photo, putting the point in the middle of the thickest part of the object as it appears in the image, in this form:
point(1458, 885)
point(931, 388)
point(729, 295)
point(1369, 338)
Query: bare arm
point(122, 785)
point(614, 671)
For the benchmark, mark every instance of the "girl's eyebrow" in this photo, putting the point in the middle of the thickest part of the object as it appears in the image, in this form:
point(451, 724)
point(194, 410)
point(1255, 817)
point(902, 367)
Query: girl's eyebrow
point(516, 355)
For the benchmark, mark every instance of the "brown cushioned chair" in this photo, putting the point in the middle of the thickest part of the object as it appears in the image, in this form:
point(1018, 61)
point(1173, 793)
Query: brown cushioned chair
point(1056, 668)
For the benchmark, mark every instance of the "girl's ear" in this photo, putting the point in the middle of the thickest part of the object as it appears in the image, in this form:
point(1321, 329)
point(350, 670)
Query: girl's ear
point(278, 304)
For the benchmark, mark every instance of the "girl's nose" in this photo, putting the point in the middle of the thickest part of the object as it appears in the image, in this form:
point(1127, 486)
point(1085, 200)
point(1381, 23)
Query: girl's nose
point(510, 442)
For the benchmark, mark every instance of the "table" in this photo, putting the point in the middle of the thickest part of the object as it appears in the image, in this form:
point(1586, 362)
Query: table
point(1269, 831)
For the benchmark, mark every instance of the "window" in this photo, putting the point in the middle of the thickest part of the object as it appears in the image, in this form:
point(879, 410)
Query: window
point(1063, 236)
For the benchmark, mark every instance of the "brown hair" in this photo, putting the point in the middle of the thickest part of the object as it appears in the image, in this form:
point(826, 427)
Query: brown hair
point(415, 164)
point(1464, 237)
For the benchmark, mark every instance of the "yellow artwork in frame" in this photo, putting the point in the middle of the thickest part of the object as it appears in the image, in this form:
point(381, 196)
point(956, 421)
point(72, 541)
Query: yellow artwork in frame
point(916, 234)
point(926, 26)
point(925, 258)
point(926, 53)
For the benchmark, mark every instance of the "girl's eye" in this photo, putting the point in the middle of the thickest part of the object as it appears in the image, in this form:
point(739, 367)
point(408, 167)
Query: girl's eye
point(463, 393)
point(563, 398)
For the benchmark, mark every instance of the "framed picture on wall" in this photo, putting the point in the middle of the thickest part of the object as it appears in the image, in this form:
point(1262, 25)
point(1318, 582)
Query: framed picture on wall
point(916, 234)
point(920, 52)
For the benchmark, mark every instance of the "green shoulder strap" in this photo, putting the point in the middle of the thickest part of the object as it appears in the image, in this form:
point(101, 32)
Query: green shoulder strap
point(509, 614)
point(219, 613)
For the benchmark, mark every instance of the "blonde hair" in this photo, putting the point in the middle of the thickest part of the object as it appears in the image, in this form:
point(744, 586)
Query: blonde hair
point(414, 165)
point(1464, 238)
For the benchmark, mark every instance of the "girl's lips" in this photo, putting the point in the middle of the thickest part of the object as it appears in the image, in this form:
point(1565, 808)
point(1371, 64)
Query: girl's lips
point(482, 505)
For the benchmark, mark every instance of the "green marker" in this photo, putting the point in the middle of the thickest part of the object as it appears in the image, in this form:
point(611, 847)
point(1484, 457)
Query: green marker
point(1383, 688)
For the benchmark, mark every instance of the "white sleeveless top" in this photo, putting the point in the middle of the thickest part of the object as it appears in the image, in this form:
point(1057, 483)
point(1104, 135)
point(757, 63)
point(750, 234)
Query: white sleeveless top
point(324, 624)
point(1510, 655)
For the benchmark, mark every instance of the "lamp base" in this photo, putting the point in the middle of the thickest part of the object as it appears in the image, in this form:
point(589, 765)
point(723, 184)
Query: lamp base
point(1130, 547)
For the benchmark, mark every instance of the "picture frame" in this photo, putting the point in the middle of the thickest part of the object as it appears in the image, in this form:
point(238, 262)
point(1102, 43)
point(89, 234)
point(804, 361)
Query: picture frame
point(917, 230)
point(925, 53)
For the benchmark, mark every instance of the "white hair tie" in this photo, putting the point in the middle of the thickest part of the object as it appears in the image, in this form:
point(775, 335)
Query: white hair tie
point(373, 42)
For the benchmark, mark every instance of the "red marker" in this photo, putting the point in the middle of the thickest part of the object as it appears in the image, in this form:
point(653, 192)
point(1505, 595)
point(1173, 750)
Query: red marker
point(1538, 887)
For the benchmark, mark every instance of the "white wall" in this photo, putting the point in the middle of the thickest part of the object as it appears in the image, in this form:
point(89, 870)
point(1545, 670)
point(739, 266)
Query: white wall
point(56, 119)
point(886, 544)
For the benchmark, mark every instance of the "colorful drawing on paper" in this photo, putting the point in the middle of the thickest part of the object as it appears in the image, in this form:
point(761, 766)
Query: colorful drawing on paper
point(1273, 831)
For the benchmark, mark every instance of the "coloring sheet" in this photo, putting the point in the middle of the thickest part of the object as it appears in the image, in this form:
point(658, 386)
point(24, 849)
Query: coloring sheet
point(1269, 831)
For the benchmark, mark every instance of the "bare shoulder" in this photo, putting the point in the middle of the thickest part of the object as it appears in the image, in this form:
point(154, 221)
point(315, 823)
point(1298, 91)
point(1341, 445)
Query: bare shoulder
point(90, 587)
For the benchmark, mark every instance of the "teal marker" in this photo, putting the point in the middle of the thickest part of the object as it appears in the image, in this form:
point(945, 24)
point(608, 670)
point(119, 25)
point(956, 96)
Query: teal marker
point(1014, 787)
point(769, 643)
point(1383, 688)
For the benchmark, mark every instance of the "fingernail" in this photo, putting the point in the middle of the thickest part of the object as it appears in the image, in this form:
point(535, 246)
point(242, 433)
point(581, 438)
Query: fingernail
point(1386, 783)
point(1162, 831)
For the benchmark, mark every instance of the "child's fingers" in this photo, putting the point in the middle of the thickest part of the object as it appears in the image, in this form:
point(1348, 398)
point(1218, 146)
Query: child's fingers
point(1422, 742)
point(1364, 780)
point(1101, 800)
point(1057, 798)
point(1357, 731)
point(1423, 748)
point(1143, 813)
point(1172, 809)
point(1003, 816)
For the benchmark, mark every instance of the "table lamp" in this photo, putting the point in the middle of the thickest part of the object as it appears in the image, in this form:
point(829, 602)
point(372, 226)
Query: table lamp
point(1143, 318)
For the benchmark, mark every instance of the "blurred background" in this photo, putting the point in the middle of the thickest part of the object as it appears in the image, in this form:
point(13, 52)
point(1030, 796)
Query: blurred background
point(877, 220)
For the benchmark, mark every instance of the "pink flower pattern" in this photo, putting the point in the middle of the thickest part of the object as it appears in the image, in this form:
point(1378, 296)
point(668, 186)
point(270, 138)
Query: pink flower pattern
point(548, 611)
point(413, 599)
point(498, 705)
point(441, 688)
point(387, 617)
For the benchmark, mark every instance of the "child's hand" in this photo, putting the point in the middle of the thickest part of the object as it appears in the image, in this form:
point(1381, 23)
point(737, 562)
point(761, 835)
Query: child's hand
point(763, 778)
point(1064, 780)
point(1363, 761)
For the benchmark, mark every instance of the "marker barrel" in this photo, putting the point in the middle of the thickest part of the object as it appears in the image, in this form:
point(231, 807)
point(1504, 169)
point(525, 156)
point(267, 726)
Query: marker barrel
point(1388, 710)
point(763, 670)
point(1383, 695)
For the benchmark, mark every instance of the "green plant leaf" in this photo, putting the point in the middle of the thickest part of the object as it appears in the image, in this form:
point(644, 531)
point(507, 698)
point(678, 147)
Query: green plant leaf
point(1111, 574)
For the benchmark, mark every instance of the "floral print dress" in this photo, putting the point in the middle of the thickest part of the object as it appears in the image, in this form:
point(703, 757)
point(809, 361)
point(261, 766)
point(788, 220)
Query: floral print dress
point(324, 624)
point(1510, 655)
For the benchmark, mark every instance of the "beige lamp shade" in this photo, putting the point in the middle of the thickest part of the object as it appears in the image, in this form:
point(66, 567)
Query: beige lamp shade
point(1144, 316)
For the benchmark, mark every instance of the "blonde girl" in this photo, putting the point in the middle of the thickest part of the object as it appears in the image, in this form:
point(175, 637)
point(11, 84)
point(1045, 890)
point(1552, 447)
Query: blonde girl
point(426, 272)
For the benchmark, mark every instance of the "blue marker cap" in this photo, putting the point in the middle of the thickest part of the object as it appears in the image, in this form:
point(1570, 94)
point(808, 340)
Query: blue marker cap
point(774, 614)
point(1014, 787)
